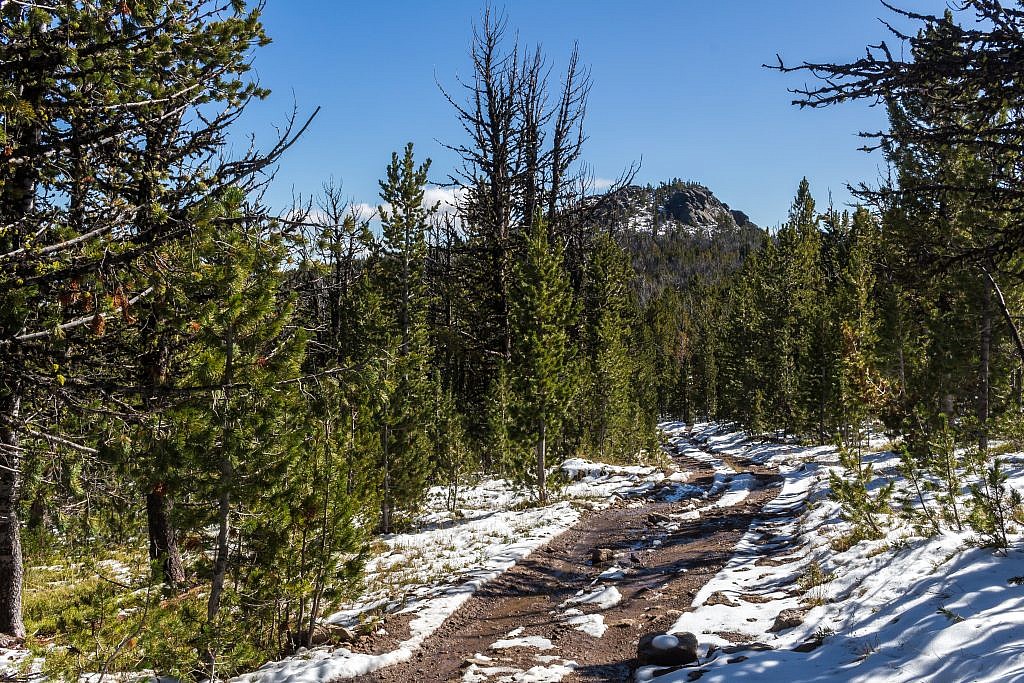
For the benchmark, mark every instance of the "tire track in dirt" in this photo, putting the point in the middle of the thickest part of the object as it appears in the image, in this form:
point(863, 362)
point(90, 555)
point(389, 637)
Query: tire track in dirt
point(665, 564)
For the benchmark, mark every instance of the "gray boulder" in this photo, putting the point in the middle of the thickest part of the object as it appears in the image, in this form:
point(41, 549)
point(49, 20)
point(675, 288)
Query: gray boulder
point(666, 649)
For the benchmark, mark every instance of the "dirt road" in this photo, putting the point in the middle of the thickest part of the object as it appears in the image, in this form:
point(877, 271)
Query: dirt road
point(656, 555)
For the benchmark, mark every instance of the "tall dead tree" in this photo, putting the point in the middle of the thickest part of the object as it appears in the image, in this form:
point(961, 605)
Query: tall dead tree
point(519, 163)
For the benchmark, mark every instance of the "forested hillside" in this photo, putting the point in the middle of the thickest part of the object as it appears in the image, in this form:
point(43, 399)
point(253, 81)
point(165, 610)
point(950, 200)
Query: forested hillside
point(214, 413)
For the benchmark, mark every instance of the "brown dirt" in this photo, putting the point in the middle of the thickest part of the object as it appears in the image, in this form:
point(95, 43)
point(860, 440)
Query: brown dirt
point(666, 569)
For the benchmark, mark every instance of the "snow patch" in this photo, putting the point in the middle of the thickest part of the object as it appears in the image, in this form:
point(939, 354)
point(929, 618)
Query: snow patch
point(613, 573)
point(535, 642)
point(601, 598)
point(898, 609)
point(664, 642)
point(591, 624)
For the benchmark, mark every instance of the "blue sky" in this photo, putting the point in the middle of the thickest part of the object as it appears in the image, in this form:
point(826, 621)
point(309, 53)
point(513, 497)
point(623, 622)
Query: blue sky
point(677, 84)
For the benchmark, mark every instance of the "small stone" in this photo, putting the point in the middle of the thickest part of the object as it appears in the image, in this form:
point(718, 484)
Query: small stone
point(809, 646)
point(788, 618)
point(601, 555)
point(720, 598)
point(325, 634)
point(755, 646)
point(657, 519)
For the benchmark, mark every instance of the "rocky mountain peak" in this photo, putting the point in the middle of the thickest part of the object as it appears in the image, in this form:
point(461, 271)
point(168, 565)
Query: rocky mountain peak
point(675, 206)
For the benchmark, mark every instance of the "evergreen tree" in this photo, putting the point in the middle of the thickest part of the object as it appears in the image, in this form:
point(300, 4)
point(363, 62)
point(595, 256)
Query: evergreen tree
point(452, 457)
point(242, 438)
point(615, 422)
point(543, 361)
point(862, 390)
point(398, 274)
point(102, 102)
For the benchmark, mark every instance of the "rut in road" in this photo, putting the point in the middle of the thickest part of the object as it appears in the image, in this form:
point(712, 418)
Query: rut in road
point(663, 565)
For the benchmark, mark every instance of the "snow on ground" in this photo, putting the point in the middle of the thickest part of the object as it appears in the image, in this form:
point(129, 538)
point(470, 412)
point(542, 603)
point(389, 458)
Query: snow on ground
point(737, 491)
point(591, 624)
point(431, 572)
point(602, 484)
point(550, 670)
point(902, 608)
point(12, 661)
point(604, 597)
point(535, 642)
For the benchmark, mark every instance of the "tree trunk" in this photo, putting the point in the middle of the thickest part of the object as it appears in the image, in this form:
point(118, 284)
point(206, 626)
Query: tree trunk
point(12, 572)
point(220, 565)
point(385, 501)
point(350, 482)
point(823, 405)
point(38, 513)
point(326, 533)
point(1018, 389)
point(687, 408)
point(17, 201)
point(163, 543)
point(542, 445)
point(983, 367)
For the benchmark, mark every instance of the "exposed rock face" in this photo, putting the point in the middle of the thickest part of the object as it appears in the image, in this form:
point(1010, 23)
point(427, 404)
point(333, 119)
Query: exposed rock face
point(670, 207)
point(698, 207)
point(676, 233)
point(740, 217)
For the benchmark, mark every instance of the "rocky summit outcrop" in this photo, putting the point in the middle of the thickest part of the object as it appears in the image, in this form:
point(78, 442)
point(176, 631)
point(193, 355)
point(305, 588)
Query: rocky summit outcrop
point(675, 206)
point(676, 233)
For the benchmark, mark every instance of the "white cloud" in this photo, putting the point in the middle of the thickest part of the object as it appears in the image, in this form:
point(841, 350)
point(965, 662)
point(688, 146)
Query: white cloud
point(363, 211)
point(445, 197)
point(601, 184)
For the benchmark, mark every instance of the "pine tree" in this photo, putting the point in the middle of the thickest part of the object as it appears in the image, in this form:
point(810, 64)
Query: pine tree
point(862, 391)
point(614, 423)
point(399, 271)
point(239, 436)
point(103, 102)
point(541, 368)
point(452, 457)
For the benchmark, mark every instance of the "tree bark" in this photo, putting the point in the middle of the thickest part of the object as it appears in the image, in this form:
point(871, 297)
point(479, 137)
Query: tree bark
point(220, 565)
point(12, 571)
point(1007, 316)
point(385, 501)
point(984, 356)
point(163, 542)
point(542, 445)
